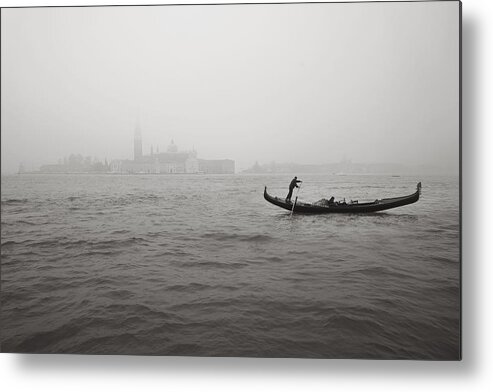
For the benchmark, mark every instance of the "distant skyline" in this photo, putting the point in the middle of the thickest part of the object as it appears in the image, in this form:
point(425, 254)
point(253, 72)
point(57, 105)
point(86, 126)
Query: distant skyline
point(313, 83)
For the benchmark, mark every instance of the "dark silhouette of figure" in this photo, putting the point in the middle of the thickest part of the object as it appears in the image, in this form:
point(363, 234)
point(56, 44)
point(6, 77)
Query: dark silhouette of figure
point(292, 185)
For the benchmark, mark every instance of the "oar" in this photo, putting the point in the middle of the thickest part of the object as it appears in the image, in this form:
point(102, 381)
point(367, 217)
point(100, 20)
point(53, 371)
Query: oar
point(296, 199)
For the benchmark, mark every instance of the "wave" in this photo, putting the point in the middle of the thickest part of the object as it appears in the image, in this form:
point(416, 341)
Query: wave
point(195, 286)
point(44, 340)
point(274, 259)
point(120, 231)
point(214, 264)
point(11, 243)
point(184, 349)
point(124, 343)
point(106, 243)
point(353, 323)
point(103, 246)
point(378, 271)
point(23, 222)
point(6, 244)
point(188, 287)
point(9, 202)
point(445, 260)
point(238, 237)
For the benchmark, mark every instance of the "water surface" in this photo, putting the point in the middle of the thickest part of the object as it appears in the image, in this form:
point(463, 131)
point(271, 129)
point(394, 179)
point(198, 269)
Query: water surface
point(202, 265)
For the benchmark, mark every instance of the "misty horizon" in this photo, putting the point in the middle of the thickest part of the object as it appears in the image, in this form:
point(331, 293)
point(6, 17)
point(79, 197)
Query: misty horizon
point(244, 166)
point(283, 83)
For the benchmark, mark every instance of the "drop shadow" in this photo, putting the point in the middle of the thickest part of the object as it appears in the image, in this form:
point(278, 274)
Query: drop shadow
point(241, 367)
point(470, 214)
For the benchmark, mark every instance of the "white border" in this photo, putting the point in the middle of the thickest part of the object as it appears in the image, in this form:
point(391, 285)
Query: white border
point(85, 373)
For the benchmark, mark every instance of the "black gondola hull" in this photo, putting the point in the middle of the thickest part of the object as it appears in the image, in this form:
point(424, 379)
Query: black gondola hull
point(356, 208)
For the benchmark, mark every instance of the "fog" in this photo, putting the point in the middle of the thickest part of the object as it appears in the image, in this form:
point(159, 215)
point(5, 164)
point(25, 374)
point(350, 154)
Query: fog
point(313, 83)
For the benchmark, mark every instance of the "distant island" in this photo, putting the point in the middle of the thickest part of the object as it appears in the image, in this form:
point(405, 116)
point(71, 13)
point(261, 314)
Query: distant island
point(172, 161)
point(343, 167)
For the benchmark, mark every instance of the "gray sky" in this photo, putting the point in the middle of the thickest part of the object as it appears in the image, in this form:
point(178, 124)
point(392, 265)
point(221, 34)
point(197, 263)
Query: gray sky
point(287, 83)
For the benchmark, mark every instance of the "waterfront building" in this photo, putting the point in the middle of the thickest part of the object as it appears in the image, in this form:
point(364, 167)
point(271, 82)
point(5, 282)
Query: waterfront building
point(171, 161)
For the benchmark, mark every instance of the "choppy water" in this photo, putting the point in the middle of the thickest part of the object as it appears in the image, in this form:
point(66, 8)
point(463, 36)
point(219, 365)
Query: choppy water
point(202, 265)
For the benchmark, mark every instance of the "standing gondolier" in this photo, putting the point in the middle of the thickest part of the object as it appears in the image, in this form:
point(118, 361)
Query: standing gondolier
point(292, 185)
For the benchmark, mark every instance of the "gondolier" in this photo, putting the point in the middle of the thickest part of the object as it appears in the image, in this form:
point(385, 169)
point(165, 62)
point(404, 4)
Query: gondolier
point(292, 185)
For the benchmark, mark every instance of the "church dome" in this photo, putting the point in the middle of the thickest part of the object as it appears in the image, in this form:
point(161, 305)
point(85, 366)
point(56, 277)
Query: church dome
point(172, 147)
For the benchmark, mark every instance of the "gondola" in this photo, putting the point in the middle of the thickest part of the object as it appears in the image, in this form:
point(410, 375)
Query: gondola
point(347, 208)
